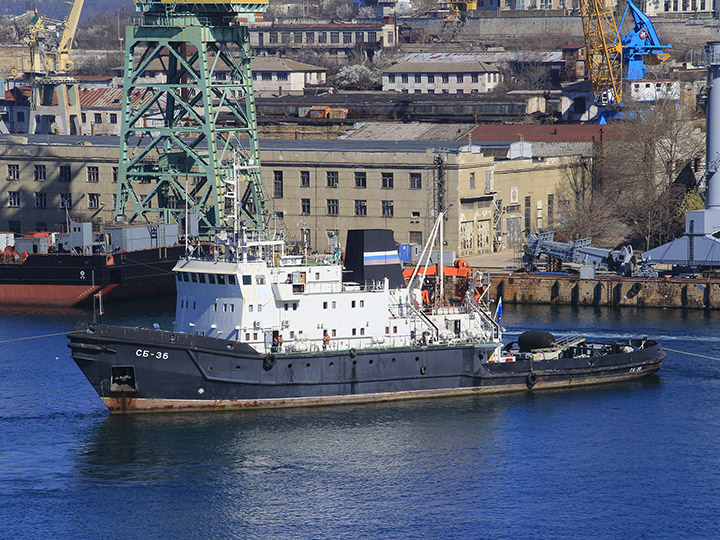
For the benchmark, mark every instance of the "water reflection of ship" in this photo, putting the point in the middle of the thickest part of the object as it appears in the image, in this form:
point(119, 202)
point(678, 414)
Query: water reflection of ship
point(164, 449)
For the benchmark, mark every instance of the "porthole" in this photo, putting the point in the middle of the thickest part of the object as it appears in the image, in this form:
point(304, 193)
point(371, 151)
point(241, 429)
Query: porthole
point(354, 362)
point(307, 365)
point(370, 362)
point(332, 364)
point(289, 366)
point(417, 358)
point(237, 368)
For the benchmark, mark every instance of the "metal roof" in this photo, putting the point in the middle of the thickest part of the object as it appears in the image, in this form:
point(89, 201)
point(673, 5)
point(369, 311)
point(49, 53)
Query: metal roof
point(498, 57)
point(336, 145)
point(109, 98)
point(441, 67)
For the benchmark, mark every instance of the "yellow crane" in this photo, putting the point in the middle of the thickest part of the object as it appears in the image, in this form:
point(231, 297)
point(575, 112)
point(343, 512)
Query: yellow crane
point(604, 51)
point(50, 41)
point(55, 95)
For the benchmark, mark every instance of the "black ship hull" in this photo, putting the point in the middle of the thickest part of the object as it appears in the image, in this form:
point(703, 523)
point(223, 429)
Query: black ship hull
point(64, 279)
point(136, 370)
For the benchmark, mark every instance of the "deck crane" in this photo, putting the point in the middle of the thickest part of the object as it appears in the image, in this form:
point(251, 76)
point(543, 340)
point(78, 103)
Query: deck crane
point(614, 58)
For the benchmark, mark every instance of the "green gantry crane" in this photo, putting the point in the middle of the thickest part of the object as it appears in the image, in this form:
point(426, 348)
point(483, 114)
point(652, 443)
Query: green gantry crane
point(189, 140)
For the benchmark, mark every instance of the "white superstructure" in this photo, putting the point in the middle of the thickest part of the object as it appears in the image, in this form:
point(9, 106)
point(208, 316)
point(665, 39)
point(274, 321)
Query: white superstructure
point(272, 301)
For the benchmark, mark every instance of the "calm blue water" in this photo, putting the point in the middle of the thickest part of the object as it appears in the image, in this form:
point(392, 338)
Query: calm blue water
point(630, 460)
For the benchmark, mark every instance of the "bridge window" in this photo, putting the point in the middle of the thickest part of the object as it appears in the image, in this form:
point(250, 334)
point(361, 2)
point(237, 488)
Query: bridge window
point(202, 278)
point(247, 280)
point(211, 278)
point(194, 277)
point(221, 279)
point(231, 279)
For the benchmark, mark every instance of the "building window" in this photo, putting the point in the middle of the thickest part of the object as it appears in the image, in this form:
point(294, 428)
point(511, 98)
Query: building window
point(472, 180)
point(40, 173)
point(113, 118)
point(415, 237)
point(282, 76)
point(528, 212)
point(115, 175)
point(387, 209)
point(404, 78)
point(415, 180)
point(21, 116)
point(347, 37)
point(309, 37)
point(266, 76)
point(332, 179)
point(14, 226)
point(474, 78)
point(332, 207)
point(297, 37)
point(40, 199)
point(415, 217)
point(304, 178)
point(322, 37)
point(431, 78)
point(13, 172)
point(83, 118)
point(551, 210)
point(460, 78)
point(358, 37)
point(41, 226)
point(418, 78)
point(98, 118)
point(66, 200)
point(305, 207)
point(93, 174)
point(93, 200)
point(334, 37)
point(360, 180)
point(65, 174)
point(14, 199)
point(387, 180)
point(372, 37)
point(391, 78)
point(361, 208)
point(278, 184)
point(446, 78)
point(274, 37)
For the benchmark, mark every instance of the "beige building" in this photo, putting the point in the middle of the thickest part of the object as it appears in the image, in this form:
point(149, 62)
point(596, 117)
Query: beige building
point(325, 187)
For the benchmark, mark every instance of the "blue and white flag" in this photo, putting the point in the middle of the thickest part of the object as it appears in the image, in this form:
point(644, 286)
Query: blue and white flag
point(498, 311)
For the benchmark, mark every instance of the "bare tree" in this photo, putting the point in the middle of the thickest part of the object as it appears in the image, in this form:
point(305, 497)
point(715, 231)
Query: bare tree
point(584, 209)
point(640, 168)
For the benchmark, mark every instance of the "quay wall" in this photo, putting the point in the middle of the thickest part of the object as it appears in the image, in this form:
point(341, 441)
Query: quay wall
point(671, 292)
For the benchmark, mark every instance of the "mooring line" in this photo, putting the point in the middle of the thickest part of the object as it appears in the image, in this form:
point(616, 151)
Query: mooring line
point(691, 354)
point(34, 337)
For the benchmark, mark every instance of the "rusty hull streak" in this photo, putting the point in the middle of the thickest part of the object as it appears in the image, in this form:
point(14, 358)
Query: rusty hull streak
point(121, 405)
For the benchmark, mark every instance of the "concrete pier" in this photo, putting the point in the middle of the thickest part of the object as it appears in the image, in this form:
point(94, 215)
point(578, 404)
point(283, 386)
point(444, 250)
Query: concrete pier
point(675, 292)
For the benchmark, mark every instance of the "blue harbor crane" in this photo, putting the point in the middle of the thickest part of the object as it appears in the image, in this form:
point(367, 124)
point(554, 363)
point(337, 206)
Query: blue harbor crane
point(614, 58)
point(641, 45)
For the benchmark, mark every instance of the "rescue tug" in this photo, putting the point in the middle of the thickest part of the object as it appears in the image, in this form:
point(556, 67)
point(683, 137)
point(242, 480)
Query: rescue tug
point(257, 327)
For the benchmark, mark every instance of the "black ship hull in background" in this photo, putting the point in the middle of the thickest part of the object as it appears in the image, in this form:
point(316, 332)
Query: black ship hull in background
point(64, 279)
point(135, 370)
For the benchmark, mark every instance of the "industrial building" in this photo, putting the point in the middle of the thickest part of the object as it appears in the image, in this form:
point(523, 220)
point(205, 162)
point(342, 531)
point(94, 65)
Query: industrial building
point(326, 187)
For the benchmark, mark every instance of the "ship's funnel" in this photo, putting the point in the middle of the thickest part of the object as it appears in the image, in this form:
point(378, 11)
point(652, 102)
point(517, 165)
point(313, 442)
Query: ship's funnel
point(372, 255)
point(712, 145)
